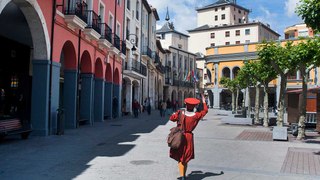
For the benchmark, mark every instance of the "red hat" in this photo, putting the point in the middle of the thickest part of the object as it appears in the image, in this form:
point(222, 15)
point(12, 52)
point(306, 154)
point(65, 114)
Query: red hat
point(191, 102)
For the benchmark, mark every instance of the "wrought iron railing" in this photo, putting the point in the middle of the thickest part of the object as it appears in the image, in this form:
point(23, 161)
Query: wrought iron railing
point(123, 47)
point(116, 41)
point(78, 8)
point(106, 32)
point(137, 67)
point(94, 21)
point(147, 51)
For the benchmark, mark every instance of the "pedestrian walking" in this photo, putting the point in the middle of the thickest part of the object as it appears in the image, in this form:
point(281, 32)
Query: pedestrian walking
point(163, 108)
point(136, 107)
point(148, 104)
point(190, 120)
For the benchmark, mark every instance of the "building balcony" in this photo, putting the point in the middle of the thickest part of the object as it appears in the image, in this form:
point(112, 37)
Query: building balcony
point(181, 83)
point(135, 69)
point(160, 68)
point(146, 53)
point(93, 29)
point(106, 36)
point(115, 48)
point(76, 15)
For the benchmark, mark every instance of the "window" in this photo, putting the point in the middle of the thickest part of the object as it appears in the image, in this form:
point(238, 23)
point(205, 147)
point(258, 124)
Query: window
point(239, 20)
point(223, 8)
point(137, 10)
point(212, 35)
point(237, 42)
point(110, 23)
point(128, 4)
point(234, 17)
point(118, 29)
point(247, 31)
point(227, 33)
point(212, 44)
point(216, 9)
point(227, 43)
point(216, 18)
point(237, 32)
point(239, 11)
point(223, 16)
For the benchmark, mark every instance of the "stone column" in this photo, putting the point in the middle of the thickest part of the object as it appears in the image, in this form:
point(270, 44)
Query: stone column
point(55, 90)
point(99, 100)
point(86, 97)
point(128, 97)
point(70, 98)
point(108, 100)
point(40, 97)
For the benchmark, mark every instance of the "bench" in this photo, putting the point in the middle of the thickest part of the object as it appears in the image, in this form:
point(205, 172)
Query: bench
point(13, 126)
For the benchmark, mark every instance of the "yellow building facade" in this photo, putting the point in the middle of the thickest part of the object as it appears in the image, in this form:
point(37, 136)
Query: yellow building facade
point(226, 61)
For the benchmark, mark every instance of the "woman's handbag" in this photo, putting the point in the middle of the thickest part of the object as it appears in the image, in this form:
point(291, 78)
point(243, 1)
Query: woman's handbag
point(176, 136)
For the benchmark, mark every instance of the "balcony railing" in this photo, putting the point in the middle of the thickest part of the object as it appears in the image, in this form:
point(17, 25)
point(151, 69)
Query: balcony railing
point(116, 41)
point(183, 83)
point(106, 32)
point(78, 8)
point(137, 67)
point(147, 51)
point(123, 47)
point(94, 21)
point(161, 68)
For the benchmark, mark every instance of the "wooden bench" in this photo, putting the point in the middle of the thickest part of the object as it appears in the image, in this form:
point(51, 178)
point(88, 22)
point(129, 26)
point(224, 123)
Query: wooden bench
point(13, 126)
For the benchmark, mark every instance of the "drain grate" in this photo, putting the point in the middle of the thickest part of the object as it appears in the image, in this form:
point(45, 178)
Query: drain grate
point(142, 162)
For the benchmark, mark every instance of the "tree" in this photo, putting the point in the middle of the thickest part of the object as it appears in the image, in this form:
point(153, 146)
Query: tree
point(232, 86)
point(306, 57)
point(309, 11)
point(265, 74)
point(279, 58)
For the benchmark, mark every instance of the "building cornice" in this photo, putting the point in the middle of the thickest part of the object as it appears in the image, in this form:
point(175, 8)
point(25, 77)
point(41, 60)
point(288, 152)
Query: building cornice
point(231, 57)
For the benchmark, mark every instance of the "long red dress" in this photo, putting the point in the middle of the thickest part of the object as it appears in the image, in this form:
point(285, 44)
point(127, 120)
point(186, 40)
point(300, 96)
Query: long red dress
point(186, 151)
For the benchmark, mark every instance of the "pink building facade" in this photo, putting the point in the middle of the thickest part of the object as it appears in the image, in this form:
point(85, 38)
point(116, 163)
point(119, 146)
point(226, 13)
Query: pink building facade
point(61, 55)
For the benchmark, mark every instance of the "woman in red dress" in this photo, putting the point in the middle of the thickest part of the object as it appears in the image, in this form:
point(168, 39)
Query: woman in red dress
point(186, 151)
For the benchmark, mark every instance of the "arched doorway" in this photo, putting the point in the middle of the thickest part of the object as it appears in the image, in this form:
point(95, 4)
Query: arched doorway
point(174, 96)
point(86, 89)
point(135, 91)
point(126, 95)
point(68, 84)
point(24, 68)
point(99, 86)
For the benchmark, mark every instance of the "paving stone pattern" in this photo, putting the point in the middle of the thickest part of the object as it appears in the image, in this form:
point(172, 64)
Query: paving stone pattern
point(302, 161)
point(250, 135)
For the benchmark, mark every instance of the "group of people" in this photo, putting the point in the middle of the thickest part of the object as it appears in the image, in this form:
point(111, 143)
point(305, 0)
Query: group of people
point(167, 107)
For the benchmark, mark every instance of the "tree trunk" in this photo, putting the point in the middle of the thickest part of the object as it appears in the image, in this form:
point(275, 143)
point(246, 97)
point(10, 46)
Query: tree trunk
point(266, 104)
point(249, 103)
point(237, 101)
point(257, 103)
point(302, 108)
point(283, 87)
point(233, 102)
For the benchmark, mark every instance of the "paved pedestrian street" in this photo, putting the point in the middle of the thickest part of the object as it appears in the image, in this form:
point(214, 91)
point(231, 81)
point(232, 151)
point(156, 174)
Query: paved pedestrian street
point(136, 149)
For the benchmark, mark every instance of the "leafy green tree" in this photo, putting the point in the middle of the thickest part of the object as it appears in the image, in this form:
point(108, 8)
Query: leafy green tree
point(306, 55)
point(309, 11)
point(280, 59)
point(232, 86)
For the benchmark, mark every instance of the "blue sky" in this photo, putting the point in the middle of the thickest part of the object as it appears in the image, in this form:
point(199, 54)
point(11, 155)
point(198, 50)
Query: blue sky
point(278, 13)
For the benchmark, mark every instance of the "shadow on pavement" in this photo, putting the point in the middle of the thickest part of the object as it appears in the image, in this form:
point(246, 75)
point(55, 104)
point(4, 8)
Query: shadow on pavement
point(197, 175)
point(71, 153)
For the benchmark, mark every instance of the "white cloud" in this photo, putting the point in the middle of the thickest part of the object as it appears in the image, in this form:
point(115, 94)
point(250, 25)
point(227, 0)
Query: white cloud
point(290, 7)
point(182, 12)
